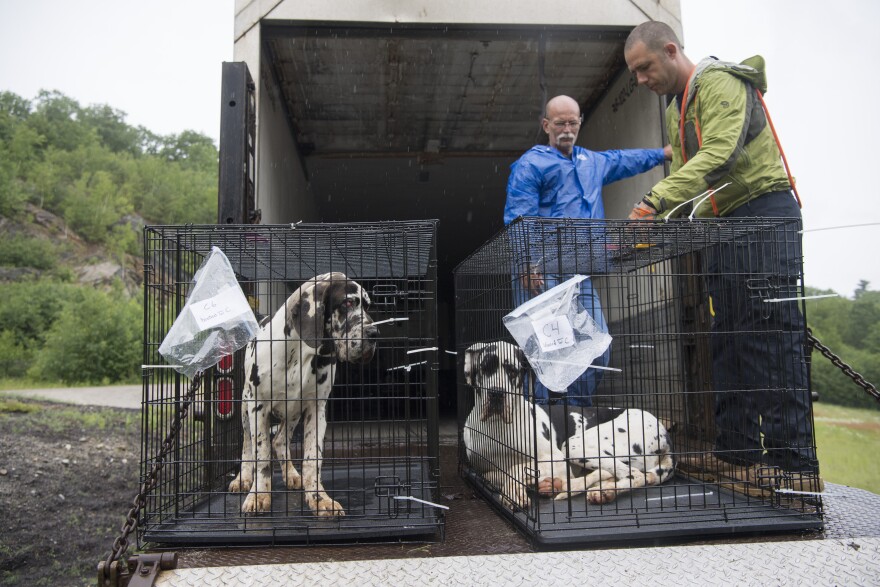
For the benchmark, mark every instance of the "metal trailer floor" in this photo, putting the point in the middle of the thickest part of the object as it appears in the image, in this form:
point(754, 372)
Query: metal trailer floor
point(818, 562)
point(483, 548)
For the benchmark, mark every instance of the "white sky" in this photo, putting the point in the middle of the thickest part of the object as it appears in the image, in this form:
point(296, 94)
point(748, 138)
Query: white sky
point(159, 61)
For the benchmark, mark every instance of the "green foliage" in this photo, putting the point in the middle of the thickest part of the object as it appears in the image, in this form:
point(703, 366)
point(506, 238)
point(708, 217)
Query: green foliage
point(105, 179)
point(89, 166)
point(95, 339)
point(851, 330)
point(15, 358)
point(30, 308)
point(20, 251)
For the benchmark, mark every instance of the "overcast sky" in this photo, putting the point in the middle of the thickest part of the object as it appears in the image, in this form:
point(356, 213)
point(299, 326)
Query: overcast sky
point(159, 61)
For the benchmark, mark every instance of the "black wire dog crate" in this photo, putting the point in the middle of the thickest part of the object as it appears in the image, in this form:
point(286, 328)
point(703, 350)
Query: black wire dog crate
point(380, 458)
point(706, 318)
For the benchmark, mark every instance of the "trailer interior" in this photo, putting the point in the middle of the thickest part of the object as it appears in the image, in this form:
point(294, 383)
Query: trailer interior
point(373, 122)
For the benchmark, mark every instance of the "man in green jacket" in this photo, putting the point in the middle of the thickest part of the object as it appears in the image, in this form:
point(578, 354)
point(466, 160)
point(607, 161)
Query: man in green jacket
point(758, 365)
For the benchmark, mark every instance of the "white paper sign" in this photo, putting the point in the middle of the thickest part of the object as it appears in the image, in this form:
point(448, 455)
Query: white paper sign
point(214, 311)
point(554, 333)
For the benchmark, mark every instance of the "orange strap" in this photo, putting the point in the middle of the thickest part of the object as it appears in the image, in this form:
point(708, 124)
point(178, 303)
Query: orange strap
point(781, 152)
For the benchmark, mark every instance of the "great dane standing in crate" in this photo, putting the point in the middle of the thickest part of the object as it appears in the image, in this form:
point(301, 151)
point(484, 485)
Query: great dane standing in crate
point(513, 443)
point(289, 368)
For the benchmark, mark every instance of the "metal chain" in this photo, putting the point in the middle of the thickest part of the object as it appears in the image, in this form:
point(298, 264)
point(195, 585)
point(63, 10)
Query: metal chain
point(120, 545)
point(847, 370)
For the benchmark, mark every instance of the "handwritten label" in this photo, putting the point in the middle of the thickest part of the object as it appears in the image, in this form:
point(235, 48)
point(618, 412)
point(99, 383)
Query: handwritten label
point(214, 311)
point(554, 333)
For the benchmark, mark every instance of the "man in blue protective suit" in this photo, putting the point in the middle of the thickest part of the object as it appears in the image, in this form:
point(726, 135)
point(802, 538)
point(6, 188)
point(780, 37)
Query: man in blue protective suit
point(562, 180)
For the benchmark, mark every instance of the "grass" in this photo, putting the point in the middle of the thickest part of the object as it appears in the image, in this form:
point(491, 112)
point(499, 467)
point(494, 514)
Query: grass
point(12, 405)
point(848, 440)
point(65, 417)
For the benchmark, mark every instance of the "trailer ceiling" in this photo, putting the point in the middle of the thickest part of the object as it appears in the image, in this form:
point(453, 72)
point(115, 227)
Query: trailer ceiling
point(354, 90)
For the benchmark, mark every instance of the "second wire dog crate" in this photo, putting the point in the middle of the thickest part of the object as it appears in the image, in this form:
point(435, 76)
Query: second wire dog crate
point(380, 457)
point(661, 286)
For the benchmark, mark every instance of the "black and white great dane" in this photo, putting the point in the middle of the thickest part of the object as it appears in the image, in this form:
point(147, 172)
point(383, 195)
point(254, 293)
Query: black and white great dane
point(512, 443)
point(289, 369)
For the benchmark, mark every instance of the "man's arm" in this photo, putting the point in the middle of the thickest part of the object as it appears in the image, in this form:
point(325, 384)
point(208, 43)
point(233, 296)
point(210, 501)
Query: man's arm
point(620, 164)
point(523, 191)
point(523, 199)
point(723, 128)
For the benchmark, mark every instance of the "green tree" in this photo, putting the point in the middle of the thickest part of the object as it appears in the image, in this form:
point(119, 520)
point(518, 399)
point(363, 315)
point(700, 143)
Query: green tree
point(114, 133)
point(851, 329)
point(30, 308)
point(56, 117)
point(94, 204)
point(96, 339)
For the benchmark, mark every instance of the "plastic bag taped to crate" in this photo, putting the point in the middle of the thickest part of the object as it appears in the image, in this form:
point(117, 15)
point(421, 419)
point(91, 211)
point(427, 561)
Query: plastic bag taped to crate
point(216, 320)
point(557, 334)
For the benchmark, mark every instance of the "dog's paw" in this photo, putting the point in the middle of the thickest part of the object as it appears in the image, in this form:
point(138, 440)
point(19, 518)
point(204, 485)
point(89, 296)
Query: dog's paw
point(292, 478)
point(550, 486)
point(256, 502)
point(325, 507)
point(600, 496)
point(240, 484)
point(516, 501)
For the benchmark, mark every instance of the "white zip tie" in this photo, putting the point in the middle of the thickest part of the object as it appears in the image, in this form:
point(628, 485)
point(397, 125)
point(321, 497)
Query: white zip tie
point(641, 346)
point(294, 224)
point(390, 320)
point(682, 496)
point(705, 195)
point(424, 350)
point(836, 227)
point(820, 494)
point(711, 193)
point(411, 498)
point(450, 352)
point(578, 364)
point(406, 367)
point(605, 368)
point(797, 298)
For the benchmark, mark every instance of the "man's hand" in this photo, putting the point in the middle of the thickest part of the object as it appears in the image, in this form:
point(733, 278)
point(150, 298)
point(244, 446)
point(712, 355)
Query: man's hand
point(667, 152)
point(643, 211)
point(533, 281)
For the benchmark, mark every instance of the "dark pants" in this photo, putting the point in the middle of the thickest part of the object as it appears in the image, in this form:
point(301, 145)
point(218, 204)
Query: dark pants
point(580, 392)
point(759, 369)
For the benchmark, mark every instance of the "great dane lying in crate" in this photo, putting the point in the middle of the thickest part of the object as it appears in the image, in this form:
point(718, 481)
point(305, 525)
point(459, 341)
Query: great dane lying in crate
point(289, 371)
point(513, 443)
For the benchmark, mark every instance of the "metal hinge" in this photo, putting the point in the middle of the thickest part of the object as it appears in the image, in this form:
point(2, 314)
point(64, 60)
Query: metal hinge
point(140, 571)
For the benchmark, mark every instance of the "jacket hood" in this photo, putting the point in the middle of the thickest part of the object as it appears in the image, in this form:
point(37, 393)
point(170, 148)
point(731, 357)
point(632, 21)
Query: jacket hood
point(751, 70)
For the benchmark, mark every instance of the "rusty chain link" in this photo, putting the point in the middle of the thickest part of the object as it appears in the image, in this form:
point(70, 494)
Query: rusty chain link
point(120, 545)
point(847, 370)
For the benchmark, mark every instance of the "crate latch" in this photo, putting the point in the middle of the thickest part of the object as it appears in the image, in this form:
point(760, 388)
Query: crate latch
point(387, 488)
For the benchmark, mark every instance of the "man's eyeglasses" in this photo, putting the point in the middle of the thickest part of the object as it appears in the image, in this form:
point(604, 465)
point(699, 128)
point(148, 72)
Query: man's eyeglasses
point(561, 124)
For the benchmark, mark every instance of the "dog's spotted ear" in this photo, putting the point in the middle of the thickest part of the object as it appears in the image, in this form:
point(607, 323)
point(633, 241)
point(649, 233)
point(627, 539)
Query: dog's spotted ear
point(305, 315)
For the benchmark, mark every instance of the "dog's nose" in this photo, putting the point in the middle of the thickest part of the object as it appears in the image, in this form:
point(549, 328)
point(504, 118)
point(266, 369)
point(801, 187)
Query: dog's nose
point(496, 394)
point(371, 332)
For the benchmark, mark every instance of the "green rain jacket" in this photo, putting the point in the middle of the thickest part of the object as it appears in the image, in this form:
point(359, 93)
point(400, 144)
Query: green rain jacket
point(737, 142)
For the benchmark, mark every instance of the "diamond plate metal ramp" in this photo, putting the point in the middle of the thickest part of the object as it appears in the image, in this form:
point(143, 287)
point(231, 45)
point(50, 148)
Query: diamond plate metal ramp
point(820, 562)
